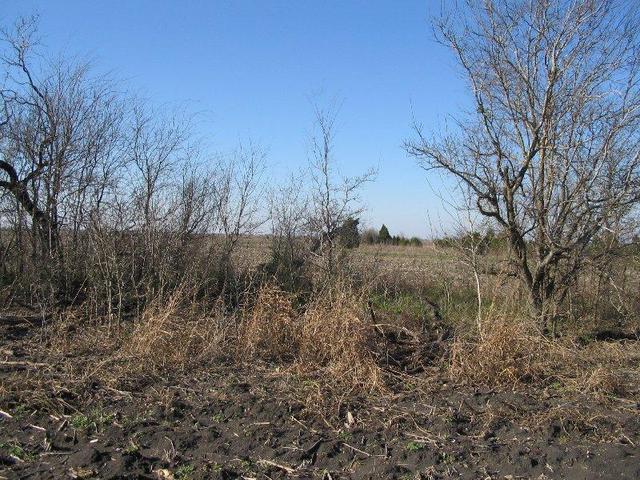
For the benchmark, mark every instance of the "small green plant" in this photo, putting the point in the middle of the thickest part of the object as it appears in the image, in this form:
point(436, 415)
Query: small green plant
point(556, 385)
point(101, 418)
point(217, 418)
point(184, 472)
point(96, 419)
point(15, 450)
point(19, 411)
point(132, 449)
point(344, 436)
point(414, 446)
point(246, 464)
point(80, 421)
point(446, 458)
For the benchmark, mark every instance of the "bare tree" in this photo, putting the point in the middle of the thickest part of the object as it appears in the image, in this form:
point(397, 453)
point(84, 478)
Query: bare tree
point(290, 245)
point(333, 199)
point(104, 196)
point(551, 148)
point(238, 194)
point(58, 133)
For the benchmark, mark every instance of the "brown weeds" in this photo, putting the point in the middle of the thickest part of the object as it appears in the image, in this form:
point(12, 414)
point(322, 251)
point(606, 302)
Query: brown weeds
point(172, 336)
point(512, 354)
point(337, 342)
point(508, 353)
point(272, 330)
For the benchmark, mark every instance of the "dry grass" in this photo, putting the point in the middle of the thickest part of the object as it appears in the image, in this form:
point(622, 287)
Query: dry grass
point(337, 342)
point(512, 354)
point(509, 353)
point(170, 336)
point(272, 329)
point(604, 368)
point(329, 346)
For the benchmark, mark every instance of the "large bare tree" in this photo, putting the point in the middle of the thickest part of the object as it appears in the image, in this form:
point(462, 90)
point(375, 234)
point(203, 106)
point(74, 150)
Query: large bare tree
point(550, 149)
point(58, 134)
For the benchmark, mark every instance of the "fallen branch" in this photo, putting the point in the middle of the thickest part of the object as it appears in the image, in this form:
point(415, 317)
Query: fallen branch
point(23, 363)
point(269, 463)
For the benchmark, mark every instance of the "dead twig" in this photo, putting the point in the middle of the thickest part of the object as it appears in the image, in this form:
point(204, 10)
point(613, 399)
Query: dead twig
point(284, 468)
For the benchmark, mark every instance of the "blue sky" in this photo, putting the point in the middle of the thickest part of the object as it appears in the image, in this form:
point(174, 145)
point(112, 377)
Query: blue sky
point(252, 68)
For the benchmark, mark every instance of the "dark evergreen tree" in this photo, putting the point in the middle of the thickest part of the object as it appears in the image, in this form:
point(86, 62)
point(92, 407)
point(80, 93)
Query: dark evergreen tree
point(349, 235)
point(383, 235)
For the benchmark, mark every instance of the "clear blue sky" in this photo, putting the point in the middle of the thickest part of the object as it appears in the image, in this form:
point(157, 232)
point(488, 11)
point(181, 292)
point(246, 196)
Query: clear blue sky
point(252, 66)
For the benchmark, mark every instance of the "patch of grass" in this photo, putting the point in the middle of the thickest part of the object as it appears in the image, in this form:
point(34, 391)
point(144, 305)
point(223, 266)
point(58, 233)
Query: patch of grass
point(102, 418)
point(16, 450)
point(97, 419)
point(414, 446)
point(402, 304)
point(184, 472)
point(80, 421)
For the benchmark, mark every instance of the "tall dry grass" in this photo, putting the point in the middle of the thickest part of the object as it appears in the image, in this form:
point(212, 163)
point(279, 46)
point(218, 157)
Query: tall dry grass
point(337, 341)
point(330, 341)
point(173, 335)
point(512, 354)
point(271, 329)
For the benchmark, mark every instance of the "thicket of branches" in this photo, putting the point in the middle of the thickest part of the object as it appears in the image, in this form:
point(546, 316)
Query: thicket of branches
point(106, 201)
point(109, 203)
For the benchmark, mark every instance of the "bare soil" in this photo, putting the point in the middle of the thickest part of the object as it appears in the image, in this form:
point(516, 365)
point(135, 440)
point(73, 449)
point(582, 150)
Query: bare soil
point(228, 422)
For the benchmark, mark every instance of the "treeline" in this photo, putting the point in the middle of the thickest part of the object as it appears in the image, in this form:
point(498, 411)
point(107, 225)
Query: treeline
point(489, 240)
point(372, 237)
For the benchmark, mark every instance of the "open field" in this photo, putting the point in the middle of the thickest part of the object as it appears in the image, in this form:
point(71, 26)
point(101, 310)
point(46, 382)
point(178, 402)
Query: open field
point(93, 403)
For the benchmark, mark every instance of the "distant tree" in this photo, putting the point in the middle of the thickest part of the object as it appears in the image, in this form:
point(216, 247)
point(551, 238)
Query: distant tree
point(369, 236)
point(383, 235)
point(415, 241)
point(349, 236)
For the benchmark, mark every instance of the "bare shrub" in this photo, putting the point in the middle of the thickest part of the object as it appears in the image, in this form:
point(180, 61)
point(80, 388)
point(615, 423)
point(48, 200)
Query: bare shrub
point(334, 199)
